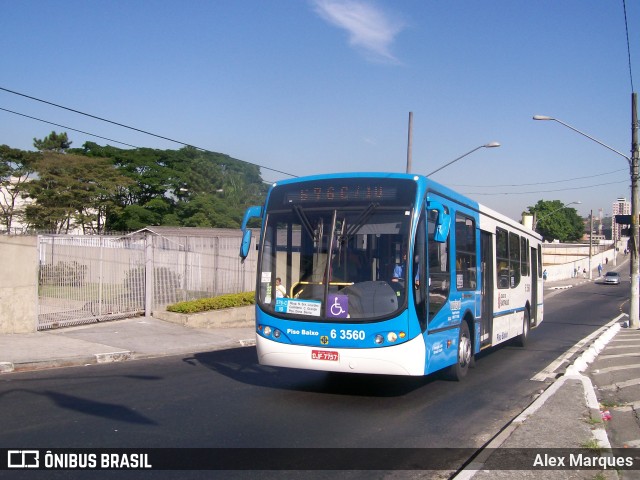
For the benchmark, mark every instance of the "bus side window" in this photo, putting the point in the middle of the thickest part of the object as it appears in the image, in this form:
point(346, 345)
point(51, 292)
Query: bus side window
point(514, 255)
point(465, 253)
point(502, 257)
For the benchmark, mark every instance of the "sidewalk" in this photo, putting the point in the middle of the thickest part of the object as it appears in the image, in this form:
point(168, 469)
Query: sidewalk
point(604, 382)
point(119, 340)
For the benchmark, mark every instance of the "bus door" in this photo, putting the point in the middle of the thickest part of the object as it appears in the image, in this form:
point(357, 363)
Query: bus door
point(533, 259)
point(487, 263)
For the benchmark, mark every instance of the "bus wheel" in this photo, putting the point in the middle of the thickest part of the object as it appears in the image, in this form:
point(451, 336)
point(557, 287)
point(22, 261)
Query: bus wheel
point(459, 370)
point(521, 340)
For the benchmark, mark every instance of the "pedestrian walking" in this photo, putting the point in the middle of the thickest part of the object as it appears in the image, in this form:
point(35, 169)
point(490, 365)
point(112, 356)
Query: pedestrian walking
point(599, 269)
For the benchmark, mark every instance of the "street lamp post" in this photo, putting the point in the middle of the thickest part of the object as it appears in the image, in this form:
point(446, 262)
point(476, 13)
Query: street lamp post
point(634, 314)
point(488, 145)
point(536, 219)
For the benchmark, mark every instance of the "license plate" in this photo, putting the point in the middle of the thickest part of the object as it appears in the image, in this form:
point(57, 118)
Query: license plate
point(325, 355)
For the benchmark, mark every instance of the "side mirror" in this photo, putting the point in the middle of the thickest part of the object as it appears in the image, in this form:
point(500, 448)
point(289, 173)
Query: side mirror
point(443, 224)
point(246, 244)
point(251, 212)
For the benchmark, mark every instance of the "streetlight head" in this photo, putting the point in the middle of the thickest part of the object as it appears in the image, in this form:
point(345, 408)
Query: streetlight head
point(492, 145)
point(542, 117)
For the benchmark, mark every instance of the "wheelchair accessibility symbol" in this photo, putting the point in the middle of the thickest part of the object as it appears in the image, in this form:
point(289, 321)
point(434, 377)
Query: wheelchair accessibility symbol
point(338, 306)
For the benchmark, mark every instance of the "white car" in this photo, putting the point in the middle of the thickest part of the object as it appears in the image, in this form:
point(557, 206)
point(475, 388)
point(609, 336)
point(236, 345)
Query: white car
point(612, 278)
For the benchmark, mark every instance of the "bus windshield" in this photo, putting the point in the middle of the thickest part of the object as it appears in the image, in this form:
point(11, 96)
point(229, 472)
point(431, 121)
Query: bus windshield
point(341, 254)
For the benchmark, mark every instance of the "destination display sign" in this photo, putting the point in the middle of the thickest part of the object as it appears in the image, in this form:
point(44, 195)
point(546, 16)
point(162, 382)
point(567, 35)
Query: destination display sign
point(384, 191)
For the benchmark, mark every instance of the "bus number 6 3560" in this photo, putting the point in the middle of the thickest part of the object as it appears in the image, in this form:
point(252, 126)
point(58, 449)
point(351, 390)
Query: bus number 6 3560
point(348, 334)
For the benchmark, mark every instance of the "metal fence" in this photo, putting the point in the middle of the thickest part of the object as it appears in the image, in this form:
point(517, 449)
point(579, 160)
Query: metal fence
point(85, 279)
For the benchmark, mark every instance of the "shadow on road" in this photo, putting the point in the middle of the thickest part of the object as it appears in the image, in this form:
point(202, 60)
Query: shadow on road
point(241, 365)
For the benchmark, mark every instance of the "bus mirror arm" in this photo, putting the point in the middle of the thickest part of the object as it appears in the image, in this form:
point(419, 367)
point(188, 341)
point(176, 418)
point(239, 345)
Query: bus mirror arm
point(443, 224)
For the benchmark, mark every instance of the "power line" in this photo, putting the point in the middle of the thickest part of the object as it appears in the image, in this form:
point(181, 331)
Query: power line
point(626, 26)
point(546, 191)
point(65, 127)
point(134, 128)
point(541, 183)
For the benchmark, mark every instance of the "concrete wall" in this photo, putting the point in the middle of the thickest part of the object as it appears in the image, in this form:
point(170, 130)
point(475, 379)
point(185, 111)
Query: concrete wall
point(18, 284)
point(562, 253)
point(566, 270)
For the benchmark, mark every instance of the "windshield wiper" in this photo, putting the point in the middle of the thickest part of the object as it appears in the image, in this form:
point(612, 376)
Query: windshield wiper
point(304, 221)
point(360, 221)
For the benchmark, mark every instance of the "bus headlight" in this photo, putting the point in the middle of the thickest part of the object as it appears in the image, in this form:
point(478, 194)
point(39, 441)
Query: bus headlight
point(267, 330)
point(392, 337)
point(379, 339)
point(276, 333)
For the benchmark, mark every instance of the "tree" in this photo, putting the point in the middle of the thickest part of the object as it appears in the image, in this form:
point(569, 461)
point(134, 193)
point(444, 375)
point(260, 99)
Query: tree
point(16, 169)
point(103, 188)
point(185, 187)
point(134, 217)
point(73, 189)
point(554, 221)
point(53, 143)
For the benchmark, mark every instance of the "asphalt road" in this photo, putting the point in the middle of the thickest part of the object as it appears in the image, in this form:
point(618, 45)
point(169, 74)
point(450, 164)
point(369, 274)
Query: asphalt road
point(224, 399)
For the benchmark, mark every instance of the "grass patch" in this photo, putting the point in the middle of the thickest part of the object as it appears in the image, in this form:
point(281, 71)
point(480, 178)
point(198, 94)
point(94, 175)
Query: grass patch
point(592, 445)
point(593, 421)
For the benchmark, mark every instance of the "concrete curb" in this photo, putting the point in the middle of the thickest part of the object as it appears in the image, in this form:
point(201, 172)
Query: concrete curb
point(113, 357)
point(95, 359)
point(47, 364)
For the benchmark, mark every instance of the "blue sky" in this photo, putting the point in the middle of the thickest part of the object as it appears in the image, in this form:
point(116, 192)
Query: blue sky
point(317, 86)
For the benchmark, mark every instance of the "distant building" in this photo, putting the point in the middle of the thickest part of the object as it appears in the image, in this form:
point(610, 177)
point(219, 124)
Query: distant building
point(620, 207)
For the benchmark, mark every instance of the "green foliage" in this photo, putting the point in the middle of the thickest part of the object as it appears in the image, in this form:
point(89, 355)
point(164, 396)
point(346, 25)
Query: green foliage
point(215, 303)
point(198, 189)
point(133, 217)
point(554, 221)
point(72, 189)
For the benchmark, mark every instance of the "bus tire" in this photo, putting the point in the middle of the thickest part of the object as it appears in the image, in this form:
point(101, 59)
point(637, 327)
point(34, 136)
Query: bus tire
point(459, 370)
point(521, 340)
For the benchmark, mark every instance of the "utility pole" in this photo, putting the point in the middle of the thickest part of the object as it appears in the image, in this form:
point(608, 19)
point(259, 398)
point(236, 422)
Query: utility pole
point(409, 142)
point(590, 243)
point(634, 313)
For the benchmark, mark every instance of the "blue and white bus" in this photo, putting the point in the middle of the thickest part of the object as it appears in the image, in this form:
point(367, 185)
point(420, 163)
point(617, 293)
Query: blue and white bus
point(388, 274)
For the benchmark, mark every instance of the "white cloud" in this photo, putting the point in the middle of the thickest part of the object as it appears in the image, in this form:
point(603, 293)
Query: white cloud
point(370, 29)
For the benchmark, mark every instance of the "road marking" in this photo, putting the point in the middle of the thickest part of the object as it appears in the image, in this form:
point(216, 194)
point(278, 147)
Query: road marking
point(616, 386)
point(549, 370)
point(614, 369)
point(620, 355)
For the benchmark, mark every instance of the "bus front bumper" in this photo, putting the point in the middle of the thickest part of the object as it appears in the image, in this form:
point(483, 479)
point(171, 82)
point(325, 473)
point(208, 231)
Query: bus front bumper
point(406, 358)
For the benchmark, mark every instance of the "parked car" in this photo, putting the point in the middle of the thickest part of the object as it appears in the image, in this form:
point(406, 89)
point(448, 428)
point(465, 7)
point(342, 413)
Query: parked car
point(612, 278)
